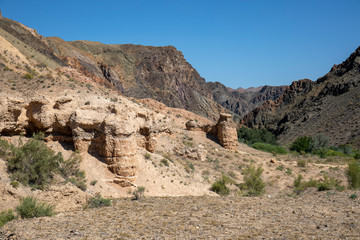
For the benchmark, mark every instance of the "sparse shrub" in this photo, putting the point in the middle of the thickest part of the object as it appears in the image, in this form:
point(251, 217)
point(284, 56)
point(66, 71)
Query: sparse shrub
point(6, 216)
point(253, 184)
point(357, 155)
point(138, 194)
point(189, 167)
point(288, 171)
point(280, 167)
point(34, 164)
point(301, 162)
point(15, 184)
point(353, 173)
point(302, 144)
point(93, 182)
point(251, 136)
point(165, 162)
point(28, 76)
point(147, 156)
point(269, 148)
point(352, 196)
point(329, 184)
point(219, 186)
point(98, 201)
point(30, 207)
point(70, 170)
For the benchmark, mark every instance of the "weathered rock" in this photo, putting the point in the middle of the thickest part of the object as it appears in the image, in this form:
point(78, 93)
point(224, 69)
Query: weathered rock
point(224, 130)
point(109, 131)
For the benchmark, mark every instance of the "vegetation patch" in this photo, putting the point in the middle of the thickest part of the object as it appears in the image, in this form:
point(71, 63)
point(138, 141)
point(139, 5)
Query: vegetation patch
point(138, 194)
point(353, 174)
point(6, 216)
point(266, 147)
point(30, 207)
point(255, 135)
point(253, 184)
point(219, 186)
point(34, 164)
point(98, 201)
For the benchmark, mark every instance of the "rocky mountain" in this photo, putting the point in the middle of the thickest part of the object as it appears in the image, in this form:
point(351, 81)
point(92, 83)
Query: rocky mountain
point(330, 107)
point(241, 101)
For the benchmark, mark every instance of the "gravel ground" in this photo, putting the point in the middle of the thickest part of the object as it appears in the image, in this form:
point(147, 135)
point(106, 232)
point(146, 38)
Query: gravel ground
point(314, 215)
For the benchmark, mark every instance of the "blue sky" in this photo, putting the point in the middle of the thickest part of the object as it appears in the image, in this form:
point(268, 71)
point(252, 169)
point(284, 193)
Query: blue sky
point(238, 43)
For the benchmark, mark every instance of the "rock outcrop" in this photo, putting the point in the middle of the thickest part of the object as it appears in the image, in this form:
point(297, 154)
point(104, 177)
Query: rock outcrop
point(110, 131)
point(224, 130)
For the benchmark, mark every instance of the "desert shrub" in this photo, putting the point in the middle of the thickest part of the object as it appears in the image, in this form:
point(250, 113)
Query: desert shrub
point(269, 148)
point(321, 185)
point(219, 186)
point(301, 162)
point(28, 76)
point(97, 201)
point(253, 184)
point(357, 155)
point(329, 183)
point(302, 144)
point(189, 167)
point(30, 207)
point(6, 216)
point(165, 162)
point(138, 193)
point(147, 156)
point(345, 149)
point(15, 184)
point(70, 170)
point(93, 182)
point(353, 174)
point(251, 136)
point(34, 164)
point(352, 196)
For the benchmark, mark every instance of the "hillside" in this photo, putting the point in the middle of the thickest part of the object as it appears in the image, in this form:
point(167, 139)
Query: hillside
point(330, 107)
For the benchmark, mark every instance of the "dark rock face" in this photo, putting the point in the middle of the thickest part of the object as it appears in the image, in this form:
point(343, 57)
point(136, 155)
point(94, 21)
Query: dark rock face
point(330, 106)
point(242, 101)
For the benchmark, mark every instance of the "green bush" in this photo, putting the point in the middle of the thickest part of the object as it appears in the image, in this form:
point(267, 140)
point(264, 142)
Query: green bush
point(301, 162)
point(302, 144)
point(6, 216)
point(354, 174)
point(219, 186)
point(269, 148)
point(321, 185)
point(251, 136)
point(34, 164)
point(138, 193)
point(93, 182)
point(28, 76)
point(253, 184)
point(29, 208)
point(165, 162)
point(352, 196)
point(98, 201)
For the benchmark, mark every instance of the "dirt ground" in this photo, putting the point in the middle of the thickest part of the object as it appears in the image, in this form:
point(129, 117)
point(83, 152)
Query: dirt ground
point(313, 215)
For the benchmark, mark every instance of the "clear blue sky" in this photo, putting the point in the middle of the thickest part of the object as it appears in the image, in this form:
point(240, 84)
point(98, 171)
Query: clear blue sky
point(238, 43)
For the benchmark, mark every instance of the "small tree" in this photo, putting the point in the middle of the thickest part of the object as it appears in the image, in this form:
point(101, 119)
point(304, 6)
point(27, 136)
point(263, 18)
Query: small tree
point(302, 144)
point(253, 184)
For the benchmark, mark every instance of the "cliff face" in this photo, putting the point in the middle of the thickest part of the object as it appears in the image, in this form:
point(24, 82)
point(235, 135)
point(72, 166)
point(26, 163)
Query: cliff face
point(330, 106)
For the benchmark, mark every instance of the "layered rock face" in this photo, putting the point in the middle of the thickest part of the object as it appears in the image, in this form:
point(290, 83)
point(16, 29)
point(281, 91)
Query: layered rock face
point(110, 131)
point(224, 130)
point(330, 107)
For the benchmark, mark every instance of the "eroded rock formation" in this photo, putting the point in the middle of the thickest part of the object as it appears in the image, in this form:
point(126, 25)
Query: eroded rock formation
point(224, 130)
point(110, 131)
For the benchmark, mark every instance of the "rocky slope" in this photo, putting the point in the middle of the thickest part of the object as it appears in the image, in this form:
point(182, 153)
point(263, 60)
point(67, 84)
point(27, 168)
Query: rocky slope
point(242, 101)
point(330, 106)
